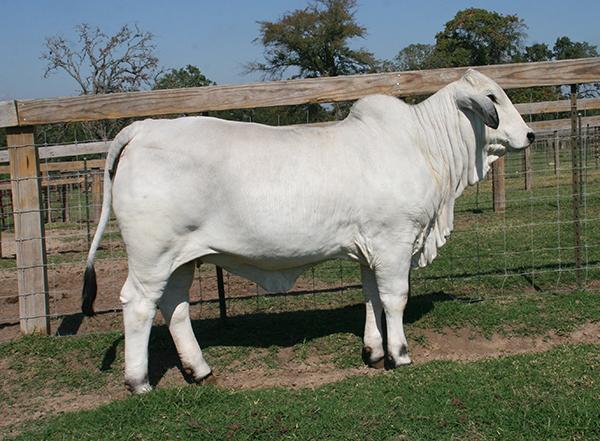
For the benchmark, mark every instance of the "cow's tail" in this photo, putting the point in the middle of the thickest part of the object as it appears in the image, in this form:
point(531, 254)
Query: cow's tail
point(88, 295)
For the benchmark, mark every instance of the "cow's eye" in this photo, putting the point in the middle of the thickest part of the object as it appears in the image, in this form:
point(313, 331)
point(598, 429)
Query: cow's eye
point(493, 98)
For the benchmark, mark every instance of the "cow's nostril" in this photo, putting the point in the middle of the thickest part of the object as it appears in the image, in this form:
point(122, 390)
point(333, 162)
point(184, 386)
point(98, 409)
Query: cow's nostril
point(531, 137)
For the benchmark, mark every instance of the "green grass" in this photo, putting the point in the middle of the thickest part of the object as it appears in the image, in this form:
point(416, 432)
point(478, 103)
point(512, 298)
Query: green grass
point(333, 325)
point(73, 364)
point(543, 396)
point(433, 401)
point(331, 330)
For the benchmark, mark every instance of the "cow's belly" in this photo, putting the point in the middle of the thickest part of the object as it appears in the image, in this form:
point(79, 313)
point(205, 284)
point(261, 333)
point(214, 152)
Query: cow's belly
point(280, 280)
point(274, 261)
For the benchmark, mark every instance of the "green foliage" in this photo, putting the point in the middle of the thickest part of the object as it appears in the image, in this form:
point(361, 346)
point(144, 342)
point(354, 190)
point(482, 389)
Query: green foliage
point(313, 42)
point(536, 52)
point(415, 57)
point(476, 37)
point(189, 76)
point(565, 49)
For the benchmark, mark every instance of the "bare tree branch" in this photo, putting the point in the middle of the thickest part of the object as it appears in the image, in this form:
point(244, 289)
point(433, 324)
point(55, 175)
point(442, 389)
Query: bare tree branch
point(101, 63)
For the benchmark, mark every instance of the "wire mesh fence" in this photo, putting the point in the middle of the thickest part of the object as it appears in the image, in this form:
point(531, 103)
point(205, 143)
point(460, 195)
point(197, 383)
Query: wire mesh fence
point(530, 246)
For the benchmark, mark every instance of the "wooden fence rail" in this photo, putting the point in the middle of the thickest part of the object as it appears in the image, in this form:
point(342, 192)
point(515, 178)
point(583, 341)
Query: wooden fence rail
point(278, 93)
point(24, 156)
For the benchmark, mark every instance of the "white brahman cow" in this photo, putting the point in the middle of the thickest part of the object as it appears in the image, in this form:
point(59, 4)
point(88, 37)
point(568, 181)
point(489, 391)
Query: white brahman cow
point(266, 203)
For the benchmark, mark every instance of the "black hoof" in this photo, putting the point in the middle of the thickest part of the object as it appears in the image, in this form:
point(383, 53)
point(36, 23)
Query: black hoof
point(389, 362)
point(367, 352)
point(379, 364)
point(208, 379)
point(403, 359)
point(138, 386)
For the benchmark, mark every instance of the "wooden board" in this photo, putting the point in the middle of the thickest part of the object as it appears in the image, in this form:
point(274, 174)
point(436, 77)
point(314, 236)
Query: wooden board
point(32, 279)
point(67, 166)
point(64, 151)
point(49, 182)
point(563, 124)
point(8, 114)
point(557, 106)
point(292, 92)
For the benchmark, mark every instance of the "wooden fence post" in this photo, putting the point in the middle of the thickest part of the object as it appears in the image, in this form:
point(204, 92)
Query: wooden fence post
point(527, 168)
point(2, 213)
point(96, 195)
point(1, 218)
point(64, 200)
point(498, 190)
point(32, 277)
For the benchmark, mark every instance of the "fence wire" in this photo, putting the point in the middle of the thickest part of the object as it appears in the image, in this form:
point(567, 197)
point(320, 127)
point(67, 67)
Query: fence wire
point(529, 247)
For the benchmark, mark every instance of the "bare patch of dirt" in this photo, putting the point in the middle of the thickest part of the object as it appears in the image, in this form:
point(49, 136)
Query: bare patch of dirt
point(52, 403)
point(466, 345)
point(449, 344)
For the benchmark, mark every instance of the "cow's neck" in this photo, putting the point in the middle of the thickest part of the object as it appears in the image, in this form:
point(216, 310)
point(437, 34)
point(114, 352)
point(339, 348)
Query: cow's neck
point(450, 140)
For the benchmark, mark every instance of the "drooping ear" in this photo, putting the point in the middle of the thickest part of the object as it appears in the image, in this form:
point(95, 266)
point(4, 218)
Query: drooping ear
point(481, 105)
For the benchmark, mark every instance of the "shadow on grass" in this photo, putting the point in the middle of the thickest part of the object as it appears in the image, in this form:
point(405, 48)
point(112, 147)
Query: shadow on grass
point(264, 330)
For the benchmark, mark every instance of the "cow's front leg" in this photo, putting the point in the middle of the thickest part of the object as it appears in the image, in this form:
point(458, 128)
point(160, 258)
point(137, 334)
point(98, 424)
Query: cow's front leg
point(138, 314)
point(372, 353)
point(392, 282)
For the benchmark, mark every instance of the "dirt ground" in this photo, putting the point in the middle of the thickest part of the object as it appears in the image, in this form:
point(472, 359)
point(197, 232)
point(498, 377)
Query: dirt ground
point(448, 344)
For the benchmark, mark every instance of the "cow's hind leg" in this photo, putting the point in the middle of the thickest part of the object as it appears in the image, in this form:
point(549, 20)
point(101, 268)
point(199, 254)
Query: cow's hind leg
point(138, 314)
point(174, 306)
point(372, 353)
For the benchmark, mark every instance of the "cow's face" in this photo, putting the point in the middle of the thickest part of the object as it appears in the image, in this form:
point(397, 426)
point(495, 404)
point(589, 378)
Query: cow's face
point(505, 128)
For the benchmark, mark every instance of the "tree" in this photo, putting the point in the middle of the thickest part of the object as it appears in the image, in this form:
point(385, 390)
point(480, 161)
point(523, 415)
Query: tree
point(476, 37)
point(565, 49)
point(536, 52)
point(101, 63)
point(313, 42)
point(414, 57)
point(189, 76)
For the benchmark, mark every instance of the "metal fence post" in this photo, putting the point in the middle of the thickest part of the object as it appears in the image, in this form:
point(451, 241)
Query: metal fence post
point(32, 276)
point(556, 153)
point(221, 289)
